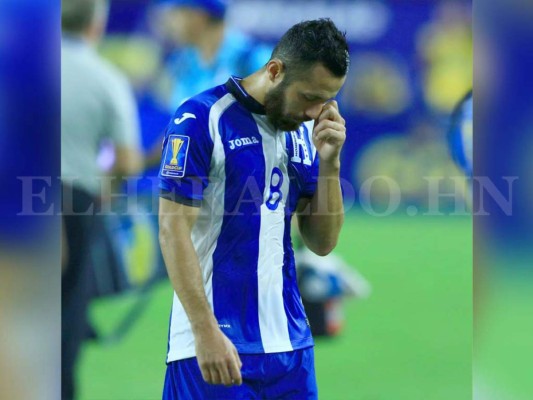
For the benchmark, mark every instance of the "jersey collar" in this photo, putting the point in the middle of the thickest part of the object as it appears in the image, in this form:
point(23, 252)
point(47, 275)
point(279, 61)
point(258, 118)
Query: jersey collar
point(234, 87)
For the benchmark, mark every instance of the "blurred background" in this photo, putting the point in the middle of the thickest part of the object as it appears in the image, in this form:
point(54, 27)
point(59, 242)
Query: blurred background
point(411, 338)
point(405, 329)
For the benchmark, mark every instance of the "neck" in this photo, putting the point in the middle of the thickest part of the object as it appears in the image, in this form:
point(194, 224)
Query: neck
point(209, 43)
point(256, 85)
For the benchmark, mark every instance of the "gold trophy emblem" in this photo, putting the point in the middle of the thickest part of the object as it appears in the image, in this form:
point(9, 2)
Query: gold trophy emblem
point(176, 146)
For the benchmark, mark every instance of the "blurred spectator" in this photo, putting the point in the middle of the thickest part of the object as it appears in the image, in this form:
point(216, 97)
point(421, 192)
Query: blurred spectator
point(208, 50)
point(96, 105)
point(139, 56)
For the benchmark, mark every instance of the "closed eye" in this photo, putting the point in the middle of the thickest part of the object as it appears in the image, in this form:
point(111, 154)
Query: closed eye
point(313, 99)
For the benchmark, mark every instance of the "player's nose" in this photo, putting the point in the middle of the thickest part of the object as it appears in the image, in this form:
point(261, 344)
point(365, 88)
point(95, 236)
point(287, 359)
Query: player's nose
point(314, 111)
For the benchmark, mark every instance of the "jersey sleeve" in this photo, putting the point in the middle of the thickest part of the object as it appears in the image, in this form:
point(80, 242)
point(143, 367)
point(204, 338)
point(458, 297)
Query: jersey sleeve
point(186, 155)
point(309, 187)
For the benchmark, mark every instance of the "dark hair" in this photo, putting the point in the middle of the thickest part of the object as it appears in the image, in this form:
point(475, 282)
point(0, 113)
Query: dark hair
point(312, 42)
point(78, 15)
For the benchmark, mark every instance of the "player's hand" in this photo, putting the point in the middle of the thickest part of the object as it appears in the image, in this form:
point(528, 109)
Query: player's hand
point(329, 133)
point(218, 359)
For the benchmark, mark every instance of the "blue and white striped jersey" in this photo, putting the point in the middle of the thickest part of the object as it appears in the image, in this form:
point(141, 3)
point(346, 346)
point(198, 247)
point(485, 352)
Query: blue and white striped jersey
point(221, 154)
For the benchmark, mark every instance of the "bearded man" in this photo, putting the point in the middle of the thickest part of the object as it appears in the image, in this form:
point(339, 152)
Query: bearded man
point(239, 160)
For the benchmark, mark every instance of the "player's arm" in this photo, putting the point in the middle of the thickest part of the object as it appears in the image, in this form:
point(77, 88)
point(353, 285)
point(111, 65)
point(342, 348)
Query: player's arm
point(217, 357)
point(320, 218)
point(123, 128)
point(128, 161)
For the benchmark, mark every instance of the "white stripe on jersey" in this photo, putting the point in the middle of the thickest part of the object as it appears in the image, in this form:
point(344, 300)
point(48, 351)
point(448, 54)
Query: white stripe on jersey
point(272, 316)
point(203, 235)
point(310, 126)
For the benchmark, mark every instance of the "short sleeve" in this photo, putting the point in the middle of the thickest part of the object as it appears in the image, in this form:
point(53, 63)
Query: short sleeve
point(309, 187)
point(186, 155)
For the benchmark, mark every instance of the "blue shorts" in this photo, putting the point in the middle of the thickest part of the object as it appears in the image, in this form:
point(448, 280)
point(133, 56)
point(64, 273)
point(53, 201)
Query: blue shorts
point(289, 375)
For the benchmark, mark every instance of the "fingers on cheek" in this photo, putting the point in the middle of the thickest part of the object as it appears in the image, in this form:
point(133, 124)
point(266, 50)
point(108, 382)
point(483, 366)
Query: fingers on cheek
point(334, 117)
point(338, 118)
point(329, 107)
point(328, 113)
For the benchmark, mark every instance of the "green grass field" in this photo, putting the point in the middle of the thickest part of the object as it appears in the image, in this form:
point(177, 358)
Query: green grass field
point(411, 340)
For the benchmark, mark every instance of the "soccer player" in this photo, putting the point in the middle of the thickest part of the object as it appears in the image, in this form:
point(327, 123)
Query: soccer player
point(238, 161)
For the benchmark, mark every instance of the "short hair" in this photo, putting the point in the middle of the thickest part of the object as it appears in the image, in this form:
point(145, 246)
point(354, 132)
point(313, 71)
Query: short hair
point(78, 15)
point(312, 42)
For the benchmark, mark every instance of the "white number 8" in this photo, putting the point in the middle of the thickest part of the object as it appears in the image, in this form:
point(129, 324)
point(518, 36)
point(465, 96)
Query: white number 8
point(275, 189)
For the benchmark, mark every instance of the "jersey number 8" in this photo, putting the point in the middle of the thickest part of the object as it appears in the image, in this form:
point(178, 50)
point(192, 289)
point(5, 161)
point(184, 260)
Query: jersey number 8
point(276, 180)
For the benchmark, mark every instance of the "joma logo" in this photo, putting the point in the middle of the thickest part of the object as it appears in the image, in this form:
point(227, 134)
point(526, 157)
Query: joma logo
point(245, 141)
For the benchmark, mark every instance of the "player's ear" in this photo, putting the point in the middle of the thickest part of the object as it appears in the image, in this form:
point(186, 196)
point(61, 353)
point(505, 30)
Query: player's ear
point(275, 70)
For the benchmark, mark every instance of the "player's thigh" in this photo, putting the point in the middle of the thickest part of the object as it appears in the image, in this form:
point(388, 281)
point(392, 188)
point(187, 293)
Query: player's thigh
point(184, 380)
point(292, 376)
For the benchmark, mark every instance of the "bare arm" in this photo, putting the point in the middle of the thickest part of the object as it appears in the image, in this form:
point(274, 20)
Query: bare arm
point(128, 161)
point(153, 157)
point(320, 219)
point(217, 357)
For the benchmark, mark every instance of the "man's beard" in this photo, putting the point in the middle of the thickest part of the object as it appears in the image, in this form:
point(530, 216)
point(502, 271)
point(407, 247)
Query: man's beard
point(274, 106)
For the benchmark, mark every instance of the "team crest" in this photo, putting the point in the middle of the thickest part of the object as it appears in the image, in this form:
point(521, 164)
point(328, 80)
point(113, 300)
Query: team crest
point(175, 158)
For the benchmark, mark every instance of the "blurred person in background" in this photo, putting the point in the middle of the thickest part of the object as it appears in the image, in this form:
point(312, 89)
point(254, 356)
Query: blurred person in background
point(274, 136)
point(204, 51)
point(96, 105)
point(207, 49)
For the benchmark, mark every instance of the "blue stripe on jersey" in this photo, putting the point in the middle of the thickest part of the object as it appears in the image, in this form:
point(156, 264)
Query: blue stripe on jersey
point(235, 287)
point(299, 331)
